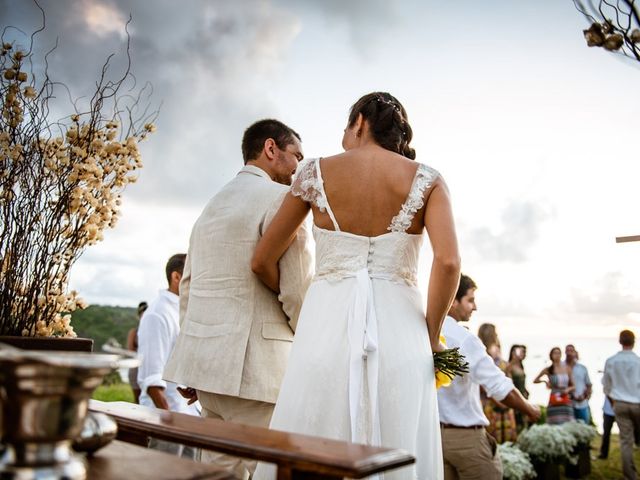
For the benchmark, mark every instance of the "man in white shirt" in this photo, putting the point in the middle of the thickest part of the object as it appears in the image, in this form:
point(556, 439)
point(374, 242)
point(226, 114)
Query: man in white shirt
point(621, 384)
point(157, 333)
point(469, 451)
point(582, 383)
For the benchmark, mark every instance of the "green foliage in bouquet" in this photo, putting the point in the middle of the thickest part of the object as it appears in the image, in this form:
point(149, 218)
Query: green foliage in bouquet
point(451, 362)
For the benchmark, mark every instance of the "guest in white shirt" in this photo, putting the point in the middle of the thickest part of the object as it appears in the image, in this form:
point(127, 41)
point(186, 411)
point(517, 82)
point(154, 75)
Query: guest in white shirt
point(157, 333)
point(582, 385)
point(621, 384)
point(469, 451)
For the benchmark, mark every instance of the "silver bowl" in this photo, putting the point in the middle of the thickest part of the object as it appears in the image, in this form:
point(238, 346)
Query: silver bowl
point(44, 398)
point(98, 430)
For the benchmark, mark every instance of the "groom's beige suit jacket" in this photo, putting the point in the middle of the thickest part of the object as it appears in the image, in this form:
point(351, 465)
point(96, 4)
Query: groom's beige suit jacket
point(235, 333)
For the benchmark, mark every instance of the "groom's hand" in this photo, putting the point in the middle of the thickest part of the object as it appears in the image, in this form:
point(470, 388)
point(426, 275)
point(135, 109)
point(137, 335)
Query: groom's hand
point(189, 393)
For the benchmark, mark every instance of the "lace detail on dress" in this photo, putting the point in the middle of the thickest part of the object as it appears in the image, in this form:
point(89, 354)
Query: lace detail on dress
point(390, 257)
point(425, 176)
point(307, 184)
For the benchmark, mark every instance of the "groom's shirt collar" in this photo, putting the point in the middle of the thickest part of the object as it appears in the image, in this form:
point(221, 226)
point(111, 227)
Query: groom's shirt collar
point(253, 170)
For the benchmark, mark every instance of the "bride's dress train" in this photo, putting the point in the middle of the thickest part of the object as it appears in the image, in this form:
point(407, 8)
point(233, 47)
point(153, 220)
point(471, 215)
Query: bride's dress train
point(361, 367)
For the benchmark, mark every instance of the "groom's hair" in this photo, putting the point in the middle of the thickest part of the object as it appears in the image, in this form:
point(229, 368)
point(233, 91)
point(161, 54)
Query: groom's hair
point(258, 133)
point(465, 284)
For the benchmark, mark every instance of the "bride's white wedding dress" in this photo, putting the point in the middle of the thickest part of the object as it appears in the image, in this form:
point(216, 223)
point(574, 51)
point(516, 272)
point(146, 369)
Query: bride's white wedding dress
point(361, 367)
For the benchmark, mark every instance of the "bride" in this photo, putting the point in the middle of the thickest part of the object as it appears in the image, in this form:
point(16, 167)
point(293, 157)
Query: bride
point(361, 365)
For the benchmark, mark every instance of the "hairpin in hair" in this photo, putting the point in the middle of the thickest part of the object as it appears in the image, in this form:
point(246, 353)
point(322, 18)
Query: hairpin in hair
point(388, 102)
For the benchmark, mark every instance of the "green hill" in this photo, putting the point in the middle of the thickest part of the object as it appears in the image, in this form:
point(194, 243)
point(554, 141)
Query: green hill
point(102, 323)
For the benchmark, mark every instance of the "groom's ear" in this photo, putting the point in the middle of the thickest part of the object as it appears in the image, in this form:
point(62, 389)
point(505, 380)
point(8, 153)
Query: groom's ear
point(270, 148)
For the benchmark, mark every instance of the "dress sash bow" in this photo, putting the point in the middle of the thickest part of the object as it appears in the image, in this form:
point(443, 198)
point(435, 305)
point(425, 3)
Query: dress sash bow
point(362, 332)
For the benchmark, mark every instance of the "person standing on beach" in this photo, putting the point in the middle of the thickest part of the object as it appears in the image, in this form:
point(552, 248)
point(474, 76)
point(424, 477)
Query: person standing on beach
point(582, 383)
point(621, 384)
point(608, 419)
point(557, 377)
point(515, 371)
point(502, 420)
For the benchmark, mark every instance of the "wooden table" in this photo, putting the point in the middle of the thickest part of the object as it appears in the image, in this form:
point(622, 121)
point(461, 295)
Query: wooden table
point(297, 456)
point(120, 460)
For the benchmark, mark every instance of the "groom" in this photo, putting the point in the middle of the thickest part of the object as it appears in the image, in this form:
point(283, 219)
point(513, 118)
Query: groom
point(235, 333)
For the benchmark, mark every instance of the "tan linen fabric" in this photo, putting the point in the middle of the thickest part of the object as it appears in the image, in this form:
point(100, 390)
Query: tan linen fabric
point(235, 333)
point(237, 410)
point(468, 455)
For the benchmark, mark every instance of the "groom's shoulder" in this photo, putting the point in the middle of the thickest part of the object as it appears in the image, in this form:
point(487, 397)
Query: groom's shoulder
point(246, 193)
point(260, 190)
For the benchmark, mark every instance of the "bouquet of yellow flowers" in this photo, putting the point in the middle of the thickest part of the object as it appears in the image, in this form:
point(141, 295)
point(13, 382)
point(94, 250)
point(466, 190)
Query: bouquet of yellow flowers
point(448, 364)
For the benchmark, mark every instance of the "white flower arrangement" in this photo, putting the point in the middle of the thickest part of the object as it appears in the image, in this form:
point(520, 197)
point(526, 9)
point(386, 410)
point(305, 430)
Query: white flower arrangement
point(516, 464)
point(547, 443)
point(582, 432)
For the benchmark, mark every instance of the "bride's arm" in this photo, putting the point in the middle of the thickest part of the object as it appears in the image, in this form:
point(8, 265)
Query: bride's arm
point(275, 241)
point(445, 268)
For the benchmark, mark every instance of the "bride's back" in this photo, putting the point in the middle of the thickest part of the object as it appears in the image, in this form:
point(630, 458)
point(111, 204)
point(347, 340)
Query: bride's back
point(365, 188)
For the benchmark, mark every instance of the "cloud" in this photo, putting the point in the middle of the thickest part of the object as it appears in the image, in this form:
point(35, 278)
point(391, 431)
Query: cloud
point(519, 229)
point(211, 65)
point(609, 296)
point(367, 22)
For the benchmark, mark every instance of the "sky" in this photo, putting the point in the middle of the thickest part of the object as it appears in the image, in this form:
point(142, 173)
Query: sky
point(533, 131)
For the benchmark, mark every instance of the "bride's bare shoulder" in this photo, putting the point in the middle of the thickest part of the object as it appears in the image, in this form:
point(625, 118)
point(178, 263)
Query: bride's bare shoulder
point(336, 158)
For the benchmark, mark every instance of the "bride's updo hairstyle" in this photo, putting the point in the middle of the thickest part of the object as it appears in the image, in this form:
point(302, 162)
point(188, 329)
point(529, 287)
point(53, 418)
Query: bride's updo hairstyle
point(387, 121)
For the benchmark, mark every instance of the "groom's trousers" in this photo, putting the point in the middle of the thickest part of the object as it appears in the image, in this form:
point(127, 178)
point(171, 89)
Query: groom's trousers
point(236, 410)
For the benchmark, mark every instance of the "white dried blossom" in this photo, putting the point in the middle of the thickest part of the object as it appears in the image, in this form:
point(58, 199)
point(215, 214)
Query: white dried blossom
point(80, 177)
point(582, 432)
point(547, 443)
point(516, 464)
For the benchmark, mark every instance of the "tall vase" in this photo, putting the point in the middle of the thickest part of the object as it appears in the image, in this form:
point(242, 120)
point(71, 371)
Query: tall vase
point(44, 398)
point(582, 468)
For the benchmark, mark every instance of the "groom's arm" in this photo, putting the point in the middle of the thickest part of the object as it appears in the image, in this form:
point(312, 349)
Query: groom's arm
point(185, 284)
point(296, 268)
